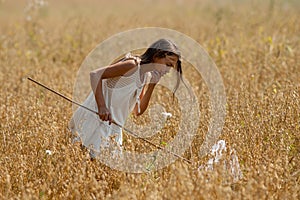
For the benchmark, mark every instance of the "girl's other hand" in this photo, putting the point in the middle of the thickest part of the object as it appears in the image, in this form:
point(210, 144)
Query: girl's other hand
point(104, 114)
point(155, 76)
point(161, 68)
point(155, 68)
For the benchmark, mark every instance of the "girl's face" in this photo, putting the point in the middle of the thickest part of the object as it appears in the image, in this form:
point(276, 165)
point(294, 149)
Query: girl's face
point(169, 60)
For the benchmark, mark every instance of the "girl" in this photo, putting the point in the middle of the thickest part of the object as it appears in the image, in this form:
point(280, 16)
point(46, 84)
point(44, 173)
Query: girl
point(120, 89)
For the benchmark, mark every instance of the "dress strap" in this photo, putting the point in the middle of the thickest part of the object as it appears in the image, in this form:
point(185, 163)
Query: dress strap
point(139, 87)
point(137, 60)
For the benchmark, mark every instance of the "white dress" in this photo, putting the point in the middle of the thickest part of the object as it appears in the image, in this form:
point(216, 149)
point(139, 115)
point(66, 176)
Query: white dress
point(121, 94)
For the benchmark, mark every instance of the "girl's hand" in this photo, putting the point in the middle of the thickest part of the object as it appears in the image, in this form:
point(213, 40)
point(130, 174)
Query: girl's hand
point(156, 76)
point(161, 68)
point(155, 67)
point(104, 114)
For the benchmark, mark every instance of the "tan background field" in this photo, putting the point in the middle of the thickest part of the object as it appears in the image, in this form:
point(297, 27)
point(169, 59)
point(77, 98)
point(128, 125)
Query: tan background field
point(255, 45)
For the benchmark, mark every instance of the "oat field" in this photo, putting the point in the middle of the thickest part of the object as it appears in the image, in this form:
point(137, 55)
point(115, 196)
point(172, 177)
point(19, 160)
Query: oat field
point(255, 45)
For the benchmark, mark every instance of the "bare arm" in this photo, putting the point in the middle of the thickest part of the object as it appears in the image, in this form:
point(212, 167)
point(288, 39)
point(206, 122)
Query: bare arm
point(147, 92)
point(145, 98)
point(111, 71)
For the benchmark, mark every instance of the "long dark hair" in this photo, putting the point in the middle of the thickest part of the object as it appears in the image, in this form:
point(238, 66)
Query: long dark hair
point(160, 49)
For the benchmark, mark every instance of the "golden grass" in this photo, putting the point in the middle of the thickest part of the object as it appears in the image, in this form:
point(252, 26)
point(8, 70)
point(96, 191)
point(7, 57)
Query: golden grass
point(255, 46)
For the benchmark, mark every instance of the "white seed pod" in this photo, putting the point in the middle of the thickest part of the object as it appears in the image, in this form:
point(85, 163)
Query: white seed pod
point(48, 152)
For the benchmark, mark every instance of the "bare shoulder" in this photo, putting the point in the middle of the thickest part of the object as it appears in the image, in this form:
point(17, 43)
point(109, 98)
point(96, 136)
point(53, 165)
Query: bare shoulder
point(129, 63)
